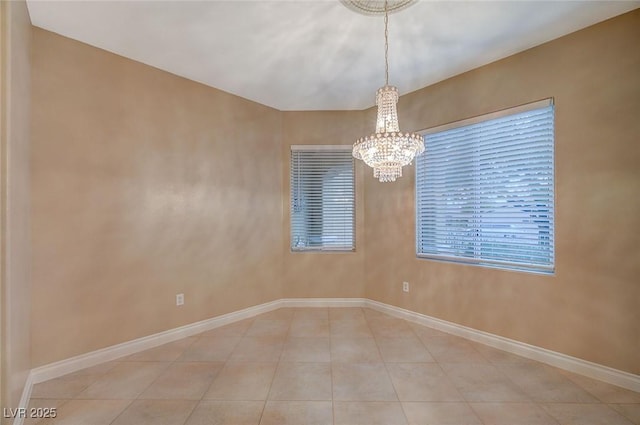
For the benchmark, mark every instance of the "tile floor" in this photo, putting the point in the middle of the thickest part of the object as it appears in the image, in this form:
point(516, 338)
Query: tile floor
point(330, 366)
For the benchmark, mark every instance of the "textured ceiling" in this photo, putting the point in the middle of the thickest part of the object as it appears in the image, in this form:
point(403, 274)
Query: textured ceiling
point(316, 55)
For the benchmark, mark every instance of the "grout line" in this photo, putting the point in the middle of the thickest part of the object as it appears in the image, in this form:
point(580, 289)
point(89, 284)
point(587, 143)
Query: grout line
point(436, 362)
point(333, 405)
point(384, 363)
point(275, 372)
point(119, 414)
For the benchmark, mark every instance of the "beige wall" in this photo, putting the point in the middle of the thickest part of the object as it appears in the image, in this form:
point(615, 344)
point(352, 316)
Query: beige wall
point(14, 168)
point(144, 185)
point(319, 274)
point(590, 308)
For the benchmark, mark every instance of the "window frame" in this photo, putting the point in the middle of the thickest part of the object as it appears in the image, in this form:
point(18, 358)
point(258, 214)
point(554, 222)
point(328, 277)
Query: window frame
point(476, 260)
point(322, 249)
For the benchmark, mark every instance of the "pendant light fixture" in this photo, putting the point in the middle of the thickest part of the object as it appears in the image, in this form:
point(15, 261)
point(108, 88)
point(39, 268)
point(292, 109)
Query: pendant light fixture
point(388, 149)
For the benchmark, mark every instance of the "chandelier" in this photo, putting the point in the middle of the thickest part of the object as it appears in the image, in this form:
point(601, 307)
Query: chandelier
point(388, 149)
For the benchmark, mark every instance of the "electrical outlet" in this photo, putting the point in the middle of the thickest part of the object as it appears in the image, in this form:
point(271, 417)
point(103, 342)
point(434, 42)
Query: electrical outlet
point(405, 286)
point(179, 299)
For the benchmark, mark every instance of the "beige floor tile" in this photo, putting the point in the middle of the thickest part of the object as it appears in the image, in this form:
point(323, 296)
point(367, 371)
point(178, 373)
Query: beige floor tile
point(242, 381)
point(227, 413)
point(370, 313)
point(306, 350)
point(389, 327)
point(606, 393)
point(482, 382)
point(233, 329)
point(349, 328)
point(629, 411)
point(185, 381)
point(85, 412)
point(348, 313)
point(369, 413)
point(422, 382)
point(362, 382)
point(494, 355)
point(126, 380)
point(164, 353)
point(63, 387)
point(258, 349)
point(451, 413)
point(452, 349)
point(269, 327)
point(311, 313)
point(279, 314)
point(512, 414)
point(355, 350)
point(156, 412)
point(301, 381)
point(585, 414)
point(70, 385)
point(297, 413)
point(425, 333)
point(545, 384)
point(403, 350)
point(210, 349)
point(317, 328)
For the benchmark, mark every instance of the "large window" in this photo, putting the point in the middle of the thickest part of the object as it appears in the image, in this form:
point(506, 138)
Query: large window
point(322, 198)
point(484, 190)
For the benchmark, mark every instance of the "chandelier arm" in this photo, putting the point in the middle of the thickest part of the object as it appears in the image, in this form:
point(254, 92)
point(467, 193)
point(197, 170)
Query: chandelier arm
point(386, 43)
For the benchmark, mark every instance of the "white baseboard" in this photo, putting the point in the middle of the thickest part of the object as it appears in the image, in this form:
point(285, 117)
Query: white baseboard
point(563, 361)
point(324, 302)
point(553, 358)
point(73, 364)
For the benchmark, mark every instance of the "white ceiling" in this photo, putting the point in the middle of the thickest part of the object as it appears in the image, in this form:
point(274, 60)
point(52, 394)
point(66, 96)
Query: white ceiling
point(316, 55)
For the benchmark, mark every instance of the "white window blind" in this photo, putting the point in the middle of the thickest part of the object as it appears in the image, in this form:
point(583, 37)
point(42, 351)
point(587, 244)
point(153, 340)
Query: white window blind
point(485, 190)
point(322, 198)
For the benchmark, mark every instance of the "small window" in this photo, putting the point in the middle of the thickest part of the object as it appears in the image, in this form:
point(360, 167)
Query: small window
point(485, 190)
point(322, 198)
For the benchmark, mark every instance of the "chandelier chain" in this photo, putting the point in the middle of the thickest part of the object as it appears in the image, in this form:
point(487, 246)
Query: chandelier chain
point(386, 43)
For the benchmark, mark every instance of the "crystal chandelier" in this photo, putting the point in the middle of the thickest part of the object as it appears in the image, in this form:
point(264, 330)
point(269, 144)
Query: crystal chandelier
point(388, 149)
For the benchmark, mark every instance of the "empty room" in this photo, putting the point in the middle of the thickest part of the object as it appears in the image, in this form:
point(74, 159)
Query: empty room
point(320, 212)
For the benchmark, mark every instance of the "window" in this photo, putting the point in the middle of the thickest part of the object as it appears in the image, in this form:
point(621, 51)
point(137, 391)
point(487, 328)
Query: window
point(322, 198)
point(484, 190)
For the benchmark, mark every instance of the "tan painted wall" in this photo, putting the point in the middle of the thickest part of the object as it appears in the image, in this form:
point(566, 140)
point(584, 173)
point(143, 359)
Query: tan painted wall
point(14, 168)
point(316, 274)
point(144, 185)
point(590, 308)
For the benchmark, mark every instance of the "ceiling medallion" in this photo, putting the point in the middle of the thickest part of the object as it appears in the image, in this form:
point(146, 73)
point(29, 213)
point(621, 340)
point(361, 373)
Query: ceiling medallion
point(376, 7)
